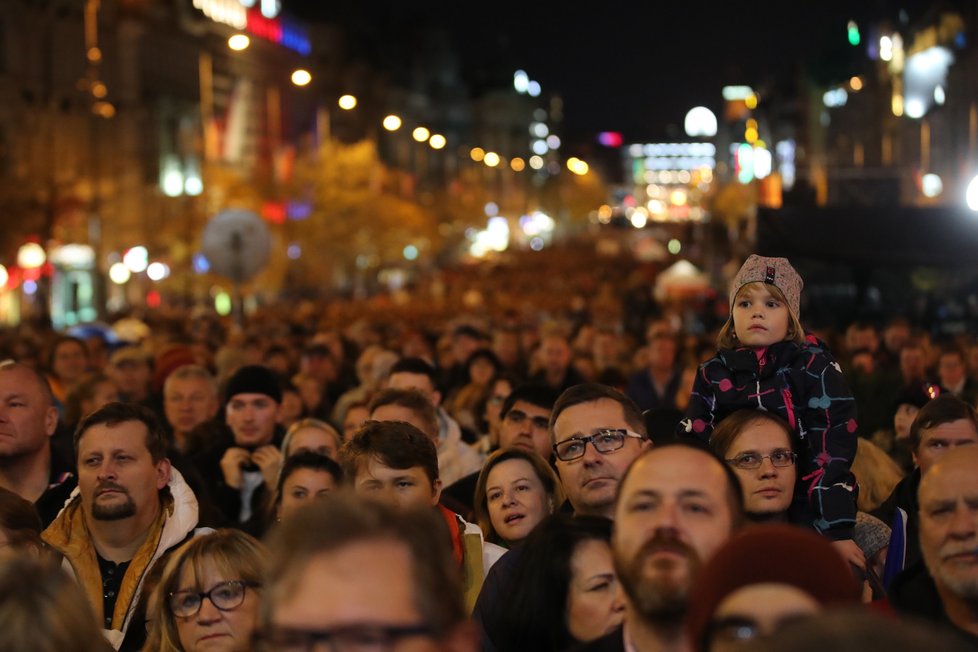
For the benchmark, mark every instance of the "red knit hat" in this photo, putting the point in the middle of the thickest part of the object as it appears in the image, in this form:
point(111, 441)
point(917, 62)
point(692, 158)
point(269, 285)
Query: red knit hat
point(770, 553)
point(169, 360)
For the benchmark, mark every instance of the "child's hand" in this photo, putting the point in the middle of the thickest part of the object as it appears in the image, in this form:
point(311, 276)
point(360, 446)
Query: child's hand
point(851, 552)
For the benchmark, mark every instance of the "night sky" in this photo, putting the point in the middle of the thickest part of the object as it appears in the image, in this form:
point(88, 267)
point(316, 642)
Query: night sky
point(634, 67)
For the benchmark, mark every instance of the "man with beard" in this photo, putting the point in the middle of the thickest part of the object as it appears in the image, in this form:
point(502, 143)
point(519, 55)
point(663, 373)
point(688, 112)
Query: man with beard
point(130, 508)
point(949, 538)
point(676, 506)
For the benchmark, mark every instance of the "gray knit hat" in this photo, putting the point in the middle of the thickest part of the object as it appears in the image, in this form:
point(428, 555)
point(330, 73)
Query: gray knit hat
point(773, 271)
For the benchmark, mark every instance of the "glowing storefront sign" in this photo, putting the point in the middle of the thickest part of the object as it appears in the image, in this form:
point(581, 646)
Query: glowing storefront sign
point(259, 17)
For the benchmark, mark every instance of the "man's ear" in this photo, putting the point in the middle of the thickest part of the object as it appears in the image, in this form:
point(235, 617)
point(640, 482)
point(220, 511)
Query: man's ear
point(435, 492)
point(50, 420)
point(916, 462)
point(435, 398)
point(163, 473)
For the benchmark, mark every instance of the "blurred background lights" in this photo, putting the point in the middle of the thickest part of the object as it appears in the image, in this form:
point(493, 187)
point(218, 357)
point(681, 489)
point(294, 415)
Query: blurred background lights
point(553, 142)
point(347, 102)
point(136, 259)
point(201, 264)
point(533, 89)
point(971, 194)
point(539, 130)
point(577, 166)
point(762, 163)
point(157, 271)
point(238, 42)
point(491, 159)
point(31, 255)
point(420, 134)
point(536, 244)
point(517, 164)
point(4, 276)
point(886, 48)
point(437, 141)
point(536, 162)
point(700, 121)
point(392, 123)
point(939, 95)
point(30, 287)
point(193, 185)
point(540, 147)
point(222, 303)
point(119, 273)
point(914, 107)
point(521, 81)
point(639, 218)
point(477, 154)
point(301, 77)
point(172, 182)
point(674, 246)
point(491, 209)
point(410, 252)
point(931, 185)
point(294, 251)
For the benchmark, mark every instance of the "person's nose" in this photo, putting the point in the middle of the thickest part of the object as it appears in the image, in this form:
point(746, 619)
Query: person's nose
point(107, 470)
point(509, 498)
point(767, 469)
point(618, 602)
point(208, 613)
point(591, 455)
point(962, 524)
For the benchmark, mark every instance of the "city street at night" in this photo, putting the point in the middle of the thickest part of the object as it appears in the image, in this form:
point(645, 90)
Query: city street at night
point(499, 327)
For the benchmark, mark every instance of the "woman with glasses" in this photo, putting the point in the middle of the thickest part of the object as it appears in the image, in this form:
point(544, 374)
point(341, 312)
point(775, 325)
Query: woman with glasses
point(210, 593)
point(515, 491)
point(757, 445)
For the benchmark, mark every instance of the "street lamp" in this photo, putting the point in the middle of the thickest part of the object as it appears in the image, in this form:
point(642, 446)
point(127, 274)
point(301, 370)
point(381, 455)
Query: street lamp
point(392, 123)
point(347, 102)
point(31, 255)
point(301, 77)
point(239, 42)
point(420, 134)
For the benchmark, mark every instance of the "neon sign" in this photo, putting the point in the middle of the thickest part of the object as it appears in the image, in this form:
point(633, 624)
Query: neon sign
point(262, 21)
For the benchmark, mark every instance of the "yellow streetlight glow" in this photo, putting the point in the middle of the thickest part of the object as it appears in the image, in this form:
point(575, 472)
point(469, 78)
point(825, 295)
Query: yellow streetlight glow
point(492, 159)
point(392, 123)
point(347, 102)
point(477, 154)
point(420, 134)
point(896, 105)
point(751, 101)
point(301, 77)
point(517, 164)
point(99, 90)
point(31, 255)
point(856, 84)
point(239, 42)
point(577, 166)
point(750, 135)
point(437, 141)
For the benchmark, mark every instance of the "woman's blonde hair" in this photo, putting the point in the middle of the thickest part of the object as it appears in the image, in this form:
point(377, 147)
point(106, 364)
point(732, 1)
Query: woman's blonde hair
point(310, 423)
point(727, 339)
point(237, 556)
point(876, 473)
point(548, 478)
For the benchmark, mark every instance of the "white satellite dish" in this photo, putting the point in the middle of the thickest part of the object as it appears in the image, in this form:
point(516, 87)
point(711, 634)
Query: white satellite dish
point(236, 243)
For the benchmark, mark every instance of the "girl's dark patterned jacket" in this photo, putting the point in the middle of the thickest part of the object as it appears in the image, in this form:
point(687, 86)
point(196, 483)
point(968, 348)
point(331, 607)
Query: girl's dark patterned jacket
point(804, 385)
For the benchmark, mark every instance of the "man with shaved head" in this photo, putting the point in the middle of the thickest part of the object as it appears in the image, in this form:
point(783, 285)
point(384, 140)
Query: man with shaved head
point(949, 537)
point(28, 419)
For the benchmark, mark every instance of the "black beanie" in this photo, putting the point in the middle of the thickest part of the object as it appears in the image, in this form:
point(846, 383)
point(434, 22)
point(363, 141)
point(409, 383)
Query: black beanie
point(254, 379)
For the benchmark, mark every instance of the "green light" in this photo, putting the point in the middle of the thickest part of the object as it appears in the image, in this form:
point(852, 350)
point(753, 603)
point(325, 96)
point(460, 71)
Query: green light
point(222, 304)
point(853, 33)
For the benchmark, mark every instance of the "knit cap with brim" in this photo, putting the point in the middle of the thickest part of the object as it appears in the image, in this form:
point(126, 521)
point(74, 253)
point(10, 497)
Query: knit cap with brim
point(770, 554)
point(773, 271)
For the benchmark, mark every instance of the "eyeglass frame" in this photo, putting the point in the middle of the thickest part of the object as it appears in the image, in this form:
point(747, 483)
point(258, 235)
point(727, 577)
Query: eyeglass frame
point(793, 456)
point(245, 584)
point(312, 637)
point(624, 433)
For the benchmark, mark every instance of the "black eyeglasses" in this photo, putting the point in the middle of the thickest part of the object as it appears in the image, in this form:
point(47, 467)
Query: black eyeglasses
point(350, 638)
point(519, 416)
point(604, 441)
point(225, 596)
point(780, 457)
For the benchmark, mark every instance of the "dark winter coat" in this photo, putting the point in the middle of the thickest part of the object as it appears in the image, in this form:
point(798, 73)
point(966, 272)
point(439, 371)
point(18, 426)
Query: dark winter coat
point(804, 385)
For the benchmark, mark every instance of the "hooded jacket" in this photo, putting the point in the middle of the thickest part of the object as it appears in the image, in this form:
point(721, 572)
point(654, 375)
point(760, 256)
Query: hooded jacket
point(804, 385)
point(69, 535)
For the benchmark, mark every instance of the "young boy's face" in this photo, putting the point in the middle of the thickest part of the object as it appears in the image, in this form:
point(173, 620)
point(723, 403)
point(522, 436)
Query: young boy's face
point(400, 488)
point(760, 318)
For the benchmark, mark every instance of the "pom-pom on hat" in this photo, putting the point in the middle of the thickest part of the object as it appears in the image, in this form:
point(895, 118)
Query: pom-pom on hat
point(773, 271)
point(254, 379)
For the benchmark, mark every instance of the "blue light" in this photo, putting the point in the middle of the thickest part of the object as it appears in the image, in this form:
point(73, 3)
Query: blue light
point(410, 252)
point(201, 264)
point(30, 287)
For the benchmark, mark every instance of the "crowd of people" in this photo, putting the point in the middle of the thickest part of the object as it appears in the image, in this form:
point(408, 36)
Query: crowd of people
point(378, 476)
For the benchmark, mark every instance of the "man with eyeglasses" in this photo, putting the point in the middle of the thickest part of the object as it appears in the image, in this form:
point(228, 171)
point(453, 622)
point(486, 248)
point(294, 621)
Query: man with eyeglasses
point(350, 574)
point(525, 421)
point(597, 433)
point(129, 510)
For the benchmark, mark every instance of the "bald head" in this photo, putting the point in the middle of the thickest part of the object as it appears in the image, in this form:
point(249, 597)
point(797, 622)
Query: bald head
point(949, 525)
point(33, 376)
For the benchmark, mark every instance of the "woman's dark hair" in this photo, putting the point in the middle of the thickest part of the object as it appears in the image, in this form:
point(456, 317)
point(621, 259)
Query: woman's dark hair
point(488, 356)
point(20, 522)
point(534, 616)
point(731, 427)
point(306, 460)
